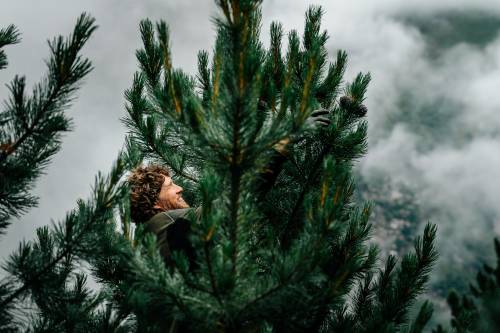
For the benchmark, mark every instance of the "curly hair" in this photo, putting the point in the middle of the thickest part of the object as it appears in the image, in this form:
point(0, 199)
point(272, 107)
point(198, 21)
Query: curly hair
point(145, 185)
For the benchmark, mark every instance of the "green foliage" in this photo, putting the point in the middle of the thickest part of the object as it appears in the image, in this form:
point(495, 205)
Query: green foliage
point(47, 272)
point(8, 36)
point(286, 253)
point(31, 126)
point(30, 133)
point(287, 259)
point(479, 310)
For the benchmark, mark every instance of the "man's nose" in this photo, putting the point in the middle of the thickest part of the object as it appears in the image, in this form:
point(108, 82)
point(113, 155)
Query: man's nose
point(179, 189)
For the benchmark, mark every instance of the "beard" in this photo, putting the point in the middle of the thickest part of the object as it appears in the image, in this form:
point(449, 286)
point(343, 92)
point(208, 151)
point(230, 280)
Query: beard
point(174, 204)
point(181, 203)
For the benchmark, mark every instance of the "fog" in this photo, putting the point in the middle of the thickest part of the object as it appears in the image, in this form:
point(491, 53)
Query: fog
point(434, 106)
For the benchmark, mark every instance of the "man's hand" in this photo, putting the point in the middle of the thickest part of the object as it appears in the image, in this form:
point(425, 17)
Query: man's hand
point(318, 118)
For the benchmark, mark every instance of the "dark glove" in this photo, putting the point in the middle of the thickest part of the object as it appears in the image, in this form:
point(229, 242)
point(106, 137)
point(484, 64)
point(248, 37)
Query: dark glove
point(318, 118)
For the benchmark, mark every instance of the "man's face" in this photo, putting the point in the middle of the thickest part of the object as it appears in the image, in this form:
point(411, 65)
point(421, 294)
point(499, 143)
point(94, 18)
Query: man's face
point(170, 196)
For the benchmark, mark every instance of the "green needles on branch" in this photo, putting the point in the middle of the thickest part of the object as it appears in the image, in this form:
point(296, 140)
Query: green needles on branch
point(31, 125)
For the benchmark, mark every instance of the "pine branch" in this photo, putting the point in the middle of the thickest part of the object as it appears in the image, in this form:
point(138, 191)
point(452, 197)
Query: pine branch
point(8, 36)
point(31, 127)
point(65, 69)
point(203, 78)
point(477, 310)
point(306, 187)
point(397, 291)
point(211, 274)
point(72, 232)
point(144, 131)
point(6, 312)
point(423, 317)
point(328, 89)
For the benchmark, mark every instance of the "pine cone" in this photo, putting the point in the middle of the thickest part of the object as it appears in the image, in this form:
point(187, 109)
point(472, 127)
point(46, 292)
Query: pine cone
point(348, 103)
point(361, 111)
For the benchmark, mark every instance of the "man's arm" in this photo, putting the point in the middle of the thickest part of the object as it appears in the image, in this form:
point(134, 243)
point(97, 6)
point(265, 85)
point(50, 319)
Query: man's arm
point(269, 175)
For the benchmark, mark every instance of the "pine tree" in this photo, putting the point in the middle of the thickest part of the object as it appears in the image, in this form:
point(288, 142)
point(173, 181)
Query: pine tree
point(280, 245)
point(31, 127)
point(289, 256)
point(478, 310)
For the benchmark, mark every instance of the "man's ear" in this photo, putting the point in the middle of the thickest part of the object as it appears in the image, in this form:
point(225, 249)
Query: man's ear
point(158, 205)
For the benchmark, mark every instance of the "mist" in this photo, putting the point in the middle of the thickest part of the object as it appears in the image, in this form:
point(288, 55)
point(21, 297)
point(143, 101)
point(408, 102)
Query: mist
point(434, 108)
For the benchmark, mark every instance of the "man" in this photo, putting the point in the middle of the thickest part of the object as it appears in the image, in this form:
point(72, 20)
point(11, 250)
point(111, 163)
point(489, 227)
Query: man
point(157, 202)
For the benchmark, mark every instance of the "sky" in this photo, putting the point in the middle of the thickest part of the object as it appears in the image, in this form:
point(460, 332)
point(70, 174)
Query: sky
point(434, 106)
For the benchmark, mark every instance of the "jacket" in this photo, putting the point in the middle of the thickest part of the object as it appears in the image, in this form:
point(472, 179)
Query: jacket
point(172, 229)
